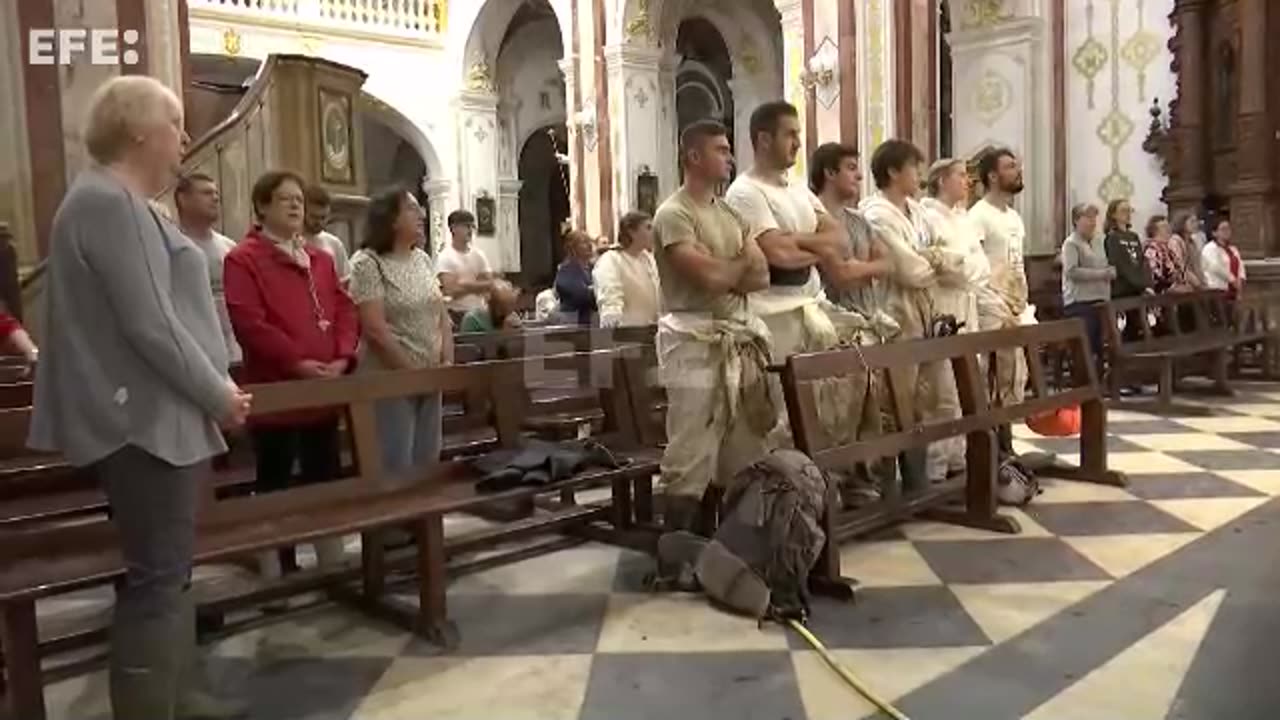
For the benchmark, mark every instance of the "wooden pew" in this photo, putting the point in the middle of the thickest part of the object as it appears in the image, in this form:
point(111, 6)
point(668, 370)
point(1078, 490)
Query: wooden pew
point(36, 563)
point(1176, 333)
point(1257, 323)
point(978, 422)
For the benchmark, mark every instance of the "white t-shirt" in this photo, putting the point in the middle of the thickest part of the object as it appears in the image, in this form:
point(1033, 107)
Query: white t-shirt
point(215, 249)
point(332, 244)
point(468, 266)
point(785, 206)
point(1002, 234)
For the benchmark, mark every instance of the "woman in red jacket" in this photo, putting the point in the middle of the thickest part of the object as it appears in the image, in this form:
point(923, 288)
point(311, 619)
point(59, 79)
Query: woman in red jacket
point(293, 321)
point(14, 338)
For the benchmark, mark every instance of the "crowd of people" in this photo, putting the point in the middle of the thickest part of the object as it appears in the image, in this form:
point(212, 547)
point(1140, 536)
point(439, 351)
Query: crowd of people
point(153, 325)
point(1101, 261)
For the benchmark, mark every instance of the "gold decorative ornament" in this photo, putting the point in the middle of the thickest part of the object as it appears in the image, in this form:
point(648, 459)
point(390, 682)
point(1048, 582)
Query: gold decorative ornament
point(1139, 50)
point(984, 13)
point(640, 27)
point(1091, 56)
point(480, 77)
point(1116, 127)
point(992, 96)
point(231, 42)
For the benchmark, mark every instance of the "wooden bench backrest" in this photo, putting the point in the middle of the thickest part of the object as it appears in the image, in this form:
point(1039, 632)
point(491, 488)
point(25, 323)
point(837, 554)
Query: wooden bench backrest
point(893, 362)
point(1176, 314)
point(358, 393)
point(15, 394)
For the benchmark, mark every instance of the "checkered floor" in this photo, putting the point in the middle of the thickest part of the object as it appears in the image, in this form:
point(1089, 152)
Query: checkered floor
point(1153, 602)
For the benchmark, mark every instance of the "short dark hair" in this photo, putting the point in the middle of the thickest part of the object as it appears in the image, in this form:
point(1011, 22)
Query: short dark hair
point(892, 155)
point(461, 217)
point(317, 195)
point(1153, 222)
point(764, 119)
point(828, 158)
point(380, 219)
point(696, 133)
point(628, 225)
point(264, 188)
point(187, 183)
point(1218, 220)
point(989, 162)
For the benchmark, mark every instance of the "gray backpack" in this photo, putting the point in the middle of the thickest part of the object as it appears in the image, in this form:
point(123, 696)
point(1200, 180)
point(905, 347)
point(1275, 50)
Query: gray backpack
point(769, 538)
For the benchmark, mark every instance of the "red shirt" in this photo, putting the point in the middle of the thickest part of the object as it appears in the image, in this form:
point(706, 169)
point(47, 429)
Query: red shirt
point(277, 321)
point(8, 325)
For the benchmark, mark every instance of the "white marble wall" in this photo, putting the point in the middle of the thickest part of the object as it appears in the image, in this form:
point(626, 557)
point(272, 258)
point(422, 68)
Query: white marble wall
point(478, 140)
point(639, 114)
point(1002, 98)
point(1117, 63)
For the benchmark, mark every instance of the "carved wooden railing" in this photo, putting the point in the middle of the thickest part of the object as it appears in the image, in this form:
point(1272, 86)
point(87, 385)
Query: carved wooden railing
point(234, 152)
point(406, 18)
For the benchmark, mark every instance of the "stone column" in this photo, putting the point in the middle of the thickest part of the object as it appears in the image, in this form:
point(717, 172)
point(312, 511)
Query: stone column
point(793, 69)
point(577, 211)
point(1251, 220)
point(508, 223)
point(873, 23)
point(478, 161)
point(1187, 142)
point(1002, 95)
point(440, 203)
point(635, 107)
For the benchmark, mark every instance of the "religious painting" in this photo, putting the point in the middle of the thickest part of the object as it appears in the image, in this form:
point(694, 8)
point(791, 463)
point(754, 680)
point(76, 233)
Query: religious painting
point(485, 215)
point(647, 191)
point(336, 138)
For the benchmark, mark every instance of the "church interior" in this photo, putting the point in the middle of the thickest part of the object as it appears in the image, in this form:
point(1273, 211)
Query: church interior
point(1148, 596)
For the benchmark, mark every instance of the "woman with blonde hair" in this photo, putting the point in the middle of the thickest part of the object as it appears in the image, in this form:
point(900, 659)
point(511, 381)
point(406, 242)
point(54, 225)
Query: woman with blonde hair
point(956, 240)
point(133, 384)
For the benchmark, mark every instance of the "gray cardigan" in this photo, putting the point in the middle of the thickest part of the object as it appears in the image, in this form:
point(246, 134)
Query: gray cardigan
point(132, 353)
point(1086, 273)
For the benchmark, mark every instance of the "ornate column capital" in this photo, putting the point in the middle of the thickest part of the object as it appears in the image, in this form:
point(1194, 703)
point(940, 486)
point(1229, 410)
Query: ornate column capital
point(631, 56)
point(477, 101)
point(434, 187)
point(509, 187)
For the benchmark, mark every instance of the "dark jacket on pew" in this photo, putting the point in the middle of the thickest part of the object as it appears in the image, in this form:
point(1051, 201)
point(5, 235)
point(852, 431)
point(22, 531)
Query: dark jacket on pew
point(132, 352)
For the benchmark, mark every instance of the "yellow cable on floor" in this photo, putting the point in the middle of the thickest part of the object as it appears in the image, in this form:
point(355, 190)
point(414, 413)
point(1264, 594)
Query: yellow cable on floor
point(847, 674)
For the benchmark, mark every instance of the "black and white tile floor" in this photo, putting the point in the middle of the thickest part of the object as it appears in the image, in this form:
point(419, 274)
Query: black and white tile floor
point(1154, 602)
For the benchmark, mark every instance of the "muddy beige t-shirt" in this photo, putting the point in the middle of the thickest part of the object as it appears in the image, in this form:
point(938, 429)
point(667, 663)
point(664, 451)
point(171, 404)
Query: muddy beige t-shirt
point(715, 228)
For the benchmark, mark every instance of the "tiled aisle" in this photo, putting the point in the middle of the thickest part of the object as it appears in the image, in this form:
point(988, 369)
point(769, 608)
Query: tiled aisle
point(1150, 603)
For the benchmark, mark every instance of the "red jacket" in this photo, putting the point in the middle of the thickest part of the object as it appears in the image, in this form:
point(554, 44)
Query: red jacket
point(8, 325)
point(275, 320)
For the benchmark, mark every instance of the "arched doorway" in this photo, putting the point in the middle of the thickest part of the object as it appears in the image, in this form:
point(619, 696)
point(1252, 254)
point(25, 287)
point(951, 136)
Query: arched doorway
point(531, 119)
point(544, 204)
point(397, 153)
point(703, 77)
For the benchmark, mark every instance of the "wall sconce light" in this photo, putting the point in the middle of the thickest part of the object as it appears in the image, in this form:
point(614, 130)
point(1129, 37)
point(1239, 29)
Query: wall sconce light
point(822, 70)
point(585, 121)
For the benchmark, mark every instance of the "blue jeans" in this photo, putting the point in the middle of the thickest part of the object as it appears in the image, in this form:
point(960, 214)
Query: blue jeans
point(409, 429)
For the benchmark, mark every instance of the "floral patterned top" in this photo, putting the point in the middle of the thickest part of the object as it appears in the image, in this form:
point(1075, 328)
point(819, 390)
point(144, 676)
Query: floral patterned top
point(411, 299)
point(1168, 262)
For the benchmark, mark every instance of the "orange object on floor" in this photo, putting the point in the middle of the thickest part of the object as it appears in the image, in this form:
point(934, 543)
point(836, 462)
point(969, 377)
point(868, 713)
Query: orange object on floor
point(1064, 422)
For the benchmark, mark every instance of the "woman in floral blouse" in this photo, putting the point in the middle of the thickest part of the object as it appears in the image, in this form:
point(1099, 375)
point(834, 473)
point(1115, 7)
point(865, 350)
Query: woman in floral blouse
point(404, 324)
point(1167, 258)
